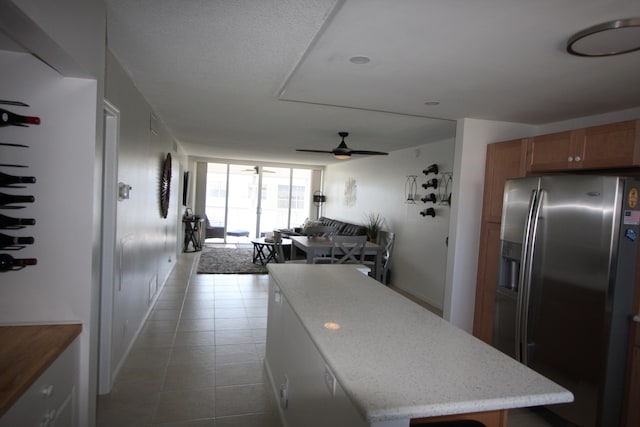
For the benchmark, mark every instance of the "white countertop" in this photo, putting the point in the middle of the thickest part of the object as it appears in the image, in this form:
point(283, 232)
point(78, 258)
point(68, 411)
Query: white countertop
point(394, 358)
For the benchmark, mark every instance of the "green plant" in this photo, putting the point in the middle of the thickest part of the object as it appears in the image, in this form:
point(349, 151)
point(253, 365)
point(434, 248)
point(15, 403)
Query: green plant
point(373, 224)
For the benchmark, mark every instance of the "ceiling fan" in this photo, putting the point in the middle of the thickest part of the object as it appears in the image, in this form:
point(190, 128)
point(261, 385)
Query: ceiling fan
point(343, 152)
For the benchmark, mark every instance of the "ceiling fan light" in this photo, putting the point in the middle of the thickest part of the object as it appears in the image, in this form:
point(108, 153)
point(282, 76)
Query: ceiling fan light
point(607, 39)
point(342, 156)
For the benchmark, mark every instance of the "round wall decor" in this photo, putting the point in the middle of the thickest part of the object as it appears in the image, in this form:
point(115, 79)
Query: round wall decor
point(165, 186)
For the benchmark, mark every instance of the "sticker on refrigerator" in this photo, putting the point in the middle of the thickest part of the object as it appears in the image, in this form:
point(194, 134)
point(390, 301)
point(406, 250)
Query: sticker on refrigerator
point(631, 234)
point(632, 199)
point(632, 217)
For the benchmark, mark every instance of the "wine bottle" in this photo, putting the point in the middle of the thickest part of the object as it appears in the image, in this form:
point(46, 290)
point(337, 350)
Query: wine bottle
point(8, 222)
point(7, 118)
point(9, 241)
point(9, 263)
point(7, 199)
point(6, 179)
point(429, 198)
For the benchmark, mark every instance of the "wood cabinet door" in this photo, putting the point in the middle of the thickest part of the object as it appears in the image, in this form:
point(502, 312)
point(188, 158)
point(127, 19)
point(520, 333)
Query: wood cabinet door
point(553, 152)
point(505, 160)
point(612, 146)
point(488, 261)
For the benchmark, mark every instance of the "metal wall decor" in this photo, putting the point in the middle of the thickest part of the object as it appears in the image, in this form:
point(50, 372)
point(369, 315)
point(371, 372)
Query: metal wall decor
point(440, 189)
point(165, 186)
point(410, 189)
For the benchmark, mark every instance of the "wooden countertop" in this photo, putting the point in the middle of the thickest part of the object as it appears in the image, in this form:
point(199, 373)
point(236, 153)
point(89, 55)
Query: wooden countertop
point(26, 351)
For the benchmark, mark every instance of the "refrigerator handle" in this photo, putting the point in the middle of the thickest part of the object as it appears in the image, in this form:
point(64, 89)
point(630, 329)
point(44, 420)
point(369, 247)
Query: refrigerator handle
point(523, 272)
point(526, 288)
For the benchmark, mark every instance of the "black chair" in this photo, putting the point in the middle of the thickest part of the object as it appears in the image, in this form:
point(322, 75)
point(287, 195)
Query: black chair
point(213, 232)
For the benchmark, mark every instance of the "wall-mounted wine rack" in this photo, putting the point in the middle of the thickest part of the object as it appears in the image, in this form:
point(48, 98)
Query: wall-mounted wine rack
point(12, 200)
point(437, 190)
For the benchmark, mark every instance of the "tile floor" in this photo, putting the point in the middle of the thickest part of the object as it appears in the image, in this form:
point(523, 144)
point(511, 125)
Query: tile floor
point(198, 360)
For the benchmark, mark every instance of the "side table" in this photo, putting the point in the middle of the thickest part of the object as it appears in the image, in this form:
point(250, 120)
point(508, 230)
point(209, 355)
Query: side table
point(192, 226)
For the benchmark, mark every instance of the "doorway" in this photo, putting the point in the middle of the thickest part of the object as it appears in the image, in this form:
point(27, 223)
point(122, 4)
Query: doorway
point(252, 200)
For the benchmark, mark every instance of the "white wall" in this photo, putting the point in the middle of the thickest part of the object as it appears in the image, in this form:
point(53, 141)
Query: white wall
point(472, 137)
point(419, 257)
point(64, 150)
point(145, 242)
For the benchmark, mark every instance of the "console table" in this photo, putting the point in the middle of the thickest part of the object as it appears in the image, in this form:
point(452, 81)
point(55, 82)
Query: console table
point(192, 233)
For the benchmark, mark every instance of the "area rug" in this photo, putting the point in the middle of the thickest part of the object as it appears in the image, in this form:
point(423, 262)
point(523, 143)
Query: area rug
point(228, 261)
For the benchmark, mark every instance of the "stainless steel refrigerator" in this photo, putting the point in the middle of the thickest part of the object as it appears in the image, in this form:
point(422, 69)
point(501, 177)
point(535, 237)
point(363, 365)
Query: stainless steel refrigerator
point(565, 289)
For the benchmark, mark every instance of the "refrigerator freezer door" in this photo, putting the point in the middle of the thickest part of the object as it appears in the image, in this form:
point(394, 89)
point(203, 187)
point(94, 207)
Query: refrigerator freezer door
point(567, 322)
point(517, 195)
point(516, 210)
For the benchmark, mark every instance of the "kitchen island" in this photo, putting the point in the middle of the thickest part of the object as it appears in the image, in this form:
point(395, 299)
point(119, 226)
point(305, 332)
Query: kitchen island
point(343, 349)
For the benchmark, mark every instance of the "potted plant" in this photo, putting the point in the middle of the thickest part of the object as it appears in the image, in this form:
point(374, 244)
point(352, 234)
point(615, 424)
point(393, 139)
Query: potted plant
point(373, 225)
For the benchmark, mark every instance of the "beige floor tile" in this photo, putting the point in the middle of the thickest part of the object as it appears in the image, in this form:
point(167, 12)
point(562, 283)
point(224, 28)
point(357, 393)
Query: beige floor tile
point(236, 353)
point(193, 355)
point(196, 304)
point(143, 379)
point(234, 336)
point(172, 314)
point(196, 325)
point(126, 408)
point(194, 338)
point(257, 311)
point(181, 377)
point(232, 323)
point(242, 399)
point(154, 339)
point(259, 335)
point(257, 322)
point(209, 422)
point(169, 304)
point(252, 420)
point(255, 302)
point(143, 358)
point(229, 303)
point(230, 313)
point(162, 326)
point(185, 405)
point(240, 373)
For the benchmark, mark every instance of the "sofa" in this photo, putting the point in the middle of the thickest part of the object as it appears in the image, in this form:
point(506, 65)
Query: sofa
point(344, 228)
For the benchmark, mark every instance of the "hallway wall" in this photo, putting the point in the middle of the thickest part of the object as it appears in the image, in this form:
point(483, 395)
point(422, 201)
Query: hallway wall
point(146, 243)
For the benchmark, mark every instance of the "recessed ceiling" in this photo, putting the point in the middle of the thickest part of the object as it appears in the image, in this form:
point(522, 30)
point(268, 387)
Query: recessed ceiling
point(253, 79)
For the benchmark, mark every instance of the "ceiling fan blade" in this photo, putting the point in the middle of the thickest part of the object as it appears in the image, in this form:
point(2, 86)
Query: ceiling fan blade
point(314, 151)
point(369, 153)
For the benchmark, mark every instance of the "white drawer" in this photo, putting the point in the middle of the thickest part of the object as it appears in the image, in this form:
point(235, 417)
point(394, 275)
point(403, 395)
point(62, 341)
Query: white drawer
point(53, 393)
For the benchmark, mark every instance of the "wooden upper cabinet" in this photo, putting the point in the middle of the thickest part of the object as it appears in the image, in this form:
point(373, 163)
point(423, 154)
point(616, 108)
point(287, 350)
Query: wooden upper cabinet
point(553, 152)
point(505, 160)
point(612, 146)
point(609, 146)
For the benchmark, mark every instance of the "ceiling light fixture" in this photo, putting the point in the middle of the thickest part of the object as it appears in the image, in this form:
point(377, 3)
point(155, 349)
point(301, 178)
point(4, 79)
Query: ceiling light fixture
point(359, 60)
point(607, 39)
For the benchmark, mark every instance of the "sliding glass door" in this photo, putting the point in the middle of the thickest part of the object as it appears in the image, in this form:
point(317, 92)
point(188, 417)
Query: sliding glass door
point(257, 199)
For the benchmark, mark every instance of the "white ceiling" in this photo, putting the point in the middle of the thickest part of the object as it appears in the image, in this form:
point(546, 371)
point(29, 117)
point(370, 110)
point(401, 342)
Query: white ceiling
point(256, 79)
